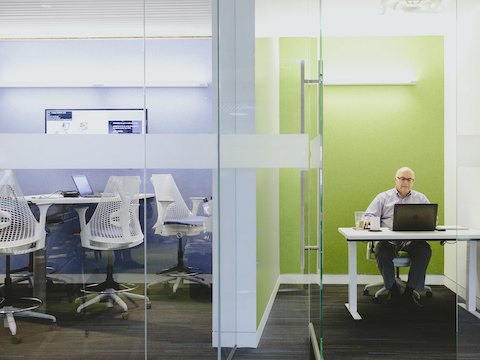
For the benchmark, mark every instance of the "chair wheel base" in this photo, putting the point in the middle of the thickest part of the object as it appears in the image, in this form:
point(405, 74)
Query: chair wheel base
point(149, 305)
point(376, 300)
point(125, 316)
point(429, 294)
point(365, 292)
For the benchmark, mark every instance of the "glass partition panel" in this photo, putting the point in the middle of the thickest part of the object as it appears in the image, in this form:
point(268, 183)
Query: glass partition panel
point(463, 257)
point(72, 99)
point(389, 102)
point(181, 153)
point(270, 200)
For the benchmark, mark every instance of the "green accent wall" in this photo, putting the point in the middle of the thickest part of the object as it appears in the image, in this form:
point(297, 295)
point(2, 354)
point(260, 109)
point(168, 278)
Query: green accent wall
point(371, 131)
point(268, 228)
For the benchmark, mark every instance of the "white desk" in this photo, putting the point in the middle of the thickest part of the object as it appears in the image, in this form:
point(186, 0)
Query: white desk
point(54, 199)
point(353, 236)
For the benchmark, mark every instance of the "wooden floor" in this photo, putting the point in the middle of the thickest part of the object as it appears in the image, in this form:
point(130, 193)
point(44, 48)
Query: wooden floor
point(180, 328)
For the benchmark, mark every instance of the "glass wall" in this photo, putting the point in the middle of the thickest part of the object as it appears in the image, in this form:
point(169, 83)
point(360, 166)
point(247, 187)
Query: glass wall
point(270, 196)
point(73, 100)
point(106, 89)
point(197, 126)
point(463, 256)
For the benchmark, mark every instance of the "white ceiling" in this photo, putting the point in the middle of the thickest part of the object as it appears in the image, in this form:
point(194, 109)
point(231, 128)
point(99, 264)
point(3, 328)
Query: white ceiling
point(193, 18)
point(104, 18)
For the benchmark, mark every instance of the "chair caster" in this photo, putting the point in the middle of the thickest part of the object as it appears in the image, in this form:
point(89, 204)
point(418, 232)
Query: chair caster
point(16, 339)
point(149, 305)
point(52, 326)
point(429, 294)
point(376, 300)
point(125, 315)
point(365, 292)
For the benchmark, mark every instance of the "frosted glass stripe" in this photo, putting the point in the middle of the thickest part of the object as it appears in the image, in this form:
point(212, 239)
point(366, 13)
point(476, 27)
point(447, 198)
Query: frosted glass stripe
point(264, 151)
point(171, 151)
point(34, 151)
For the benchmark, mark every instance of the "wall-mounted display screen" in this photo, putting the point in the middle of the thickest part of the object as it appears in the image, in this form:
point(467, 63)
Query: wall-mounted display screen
point(95, 121)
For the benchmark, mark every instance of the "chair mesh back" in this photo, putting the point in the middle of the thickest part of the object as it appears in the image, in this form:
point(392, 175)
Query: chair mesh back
point(165, 187)
point(116, 218)
point(18, 226)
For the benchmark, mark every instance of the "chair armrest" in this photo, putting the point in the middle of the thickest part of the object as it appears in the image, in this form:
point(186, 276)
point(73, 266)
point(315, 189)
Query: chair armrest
point(162, 207)
point(196, 201)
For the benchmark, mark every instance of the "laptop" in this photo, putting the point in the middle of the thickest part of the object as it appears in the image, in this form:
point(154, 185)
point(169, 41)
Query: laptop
point(83, 186)
point(415, 217)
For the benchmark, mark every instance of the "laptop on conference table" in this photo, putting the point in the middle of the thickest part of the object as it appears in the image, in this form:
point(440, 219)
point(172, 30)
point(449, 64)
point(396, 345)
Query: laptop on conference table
point(415, 217)
point(83, 186)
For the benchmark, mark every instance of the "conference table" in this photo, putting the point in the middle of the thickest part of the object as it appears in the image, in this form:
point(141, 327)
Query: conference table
point(44, 202)
point(353, 236)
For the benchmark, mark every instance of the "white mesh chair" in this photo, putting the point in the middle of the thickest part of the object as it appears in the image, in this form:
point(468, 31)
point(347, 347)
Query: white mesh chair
point(176, 219)
point(114, 225)
point(400, 260)
point(20, 233)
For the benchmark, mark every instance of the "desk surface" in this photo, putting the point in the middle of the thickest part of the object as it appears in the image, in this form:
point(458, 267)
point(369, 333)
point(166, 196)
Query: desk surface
point(55, 199)
point(352, 234)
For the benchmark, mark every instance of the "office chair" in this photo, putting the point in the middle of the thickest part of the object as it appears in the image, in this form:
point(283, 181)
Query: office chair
point(401, 260)
point(25, 273)
point(175, 218)
point(114, 225)
point(20, 233)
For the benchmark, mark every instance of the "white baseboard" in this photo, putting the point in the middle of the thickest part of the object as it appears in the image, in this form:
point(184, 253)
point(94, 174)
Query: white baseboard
point(343, 279)
point(369, 279)
point(267, 311)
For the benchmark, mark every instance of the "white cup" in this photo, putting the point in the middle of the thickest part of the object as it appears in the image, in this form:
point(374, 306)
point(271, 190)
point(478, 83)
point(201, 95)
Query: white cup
point(375, 223)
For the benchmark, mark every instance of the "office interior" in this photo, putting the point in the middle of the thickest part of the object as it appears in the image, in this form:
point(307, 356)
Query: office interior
point(287, 115)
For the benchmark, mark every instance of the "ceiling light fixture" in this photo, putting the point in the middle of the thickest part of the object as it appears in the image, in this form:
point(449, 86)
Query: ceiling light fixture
point(412, 5)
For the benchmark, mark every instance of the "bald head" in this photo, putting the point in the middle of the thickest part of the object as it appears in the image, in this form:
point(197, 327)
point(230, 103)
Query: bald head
point(405, 169)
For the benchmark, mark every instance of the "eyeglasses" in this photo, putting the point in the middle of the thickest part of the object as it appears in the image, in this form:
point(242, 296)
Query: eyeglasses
point(405, 179)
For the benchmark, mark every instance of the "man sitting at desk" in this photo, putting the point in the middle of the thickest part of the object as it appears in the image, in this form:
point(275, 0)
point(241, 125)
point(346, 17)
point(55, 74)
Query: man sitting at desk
point(419, 251)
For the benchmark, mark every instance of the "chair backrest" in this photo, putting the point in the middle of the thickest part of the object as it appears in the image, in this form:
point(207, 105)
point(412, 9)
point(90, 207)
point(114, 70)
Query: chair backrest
point(20, 232)
point(165, 188)
point(115, 222)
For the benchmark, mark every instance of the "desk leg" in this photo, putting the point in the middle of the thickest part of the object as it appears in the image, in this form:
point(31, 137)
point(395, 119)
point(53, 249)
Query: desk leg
point(40, 277)
point(471, 296)
point(352, 280)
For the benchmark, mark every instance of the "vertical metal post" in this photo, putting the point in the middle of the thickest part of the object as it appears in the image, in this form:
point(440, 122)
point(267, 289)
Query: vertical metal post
point(302, 172)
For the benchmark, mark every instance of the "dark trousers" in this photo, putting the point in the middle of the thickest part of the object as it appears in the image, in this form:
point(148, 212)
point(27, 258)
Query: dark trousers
point(420, 254)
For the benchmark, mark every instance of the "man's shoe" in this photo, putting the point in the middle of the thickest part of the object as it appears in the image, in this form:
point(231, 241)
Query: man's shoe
point(412, 302)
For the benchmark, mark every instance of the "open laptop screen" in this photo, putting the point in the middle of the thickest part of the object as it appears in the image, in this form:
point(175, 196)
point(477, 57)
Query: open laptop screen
point(415, 217)
point(82, 184)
